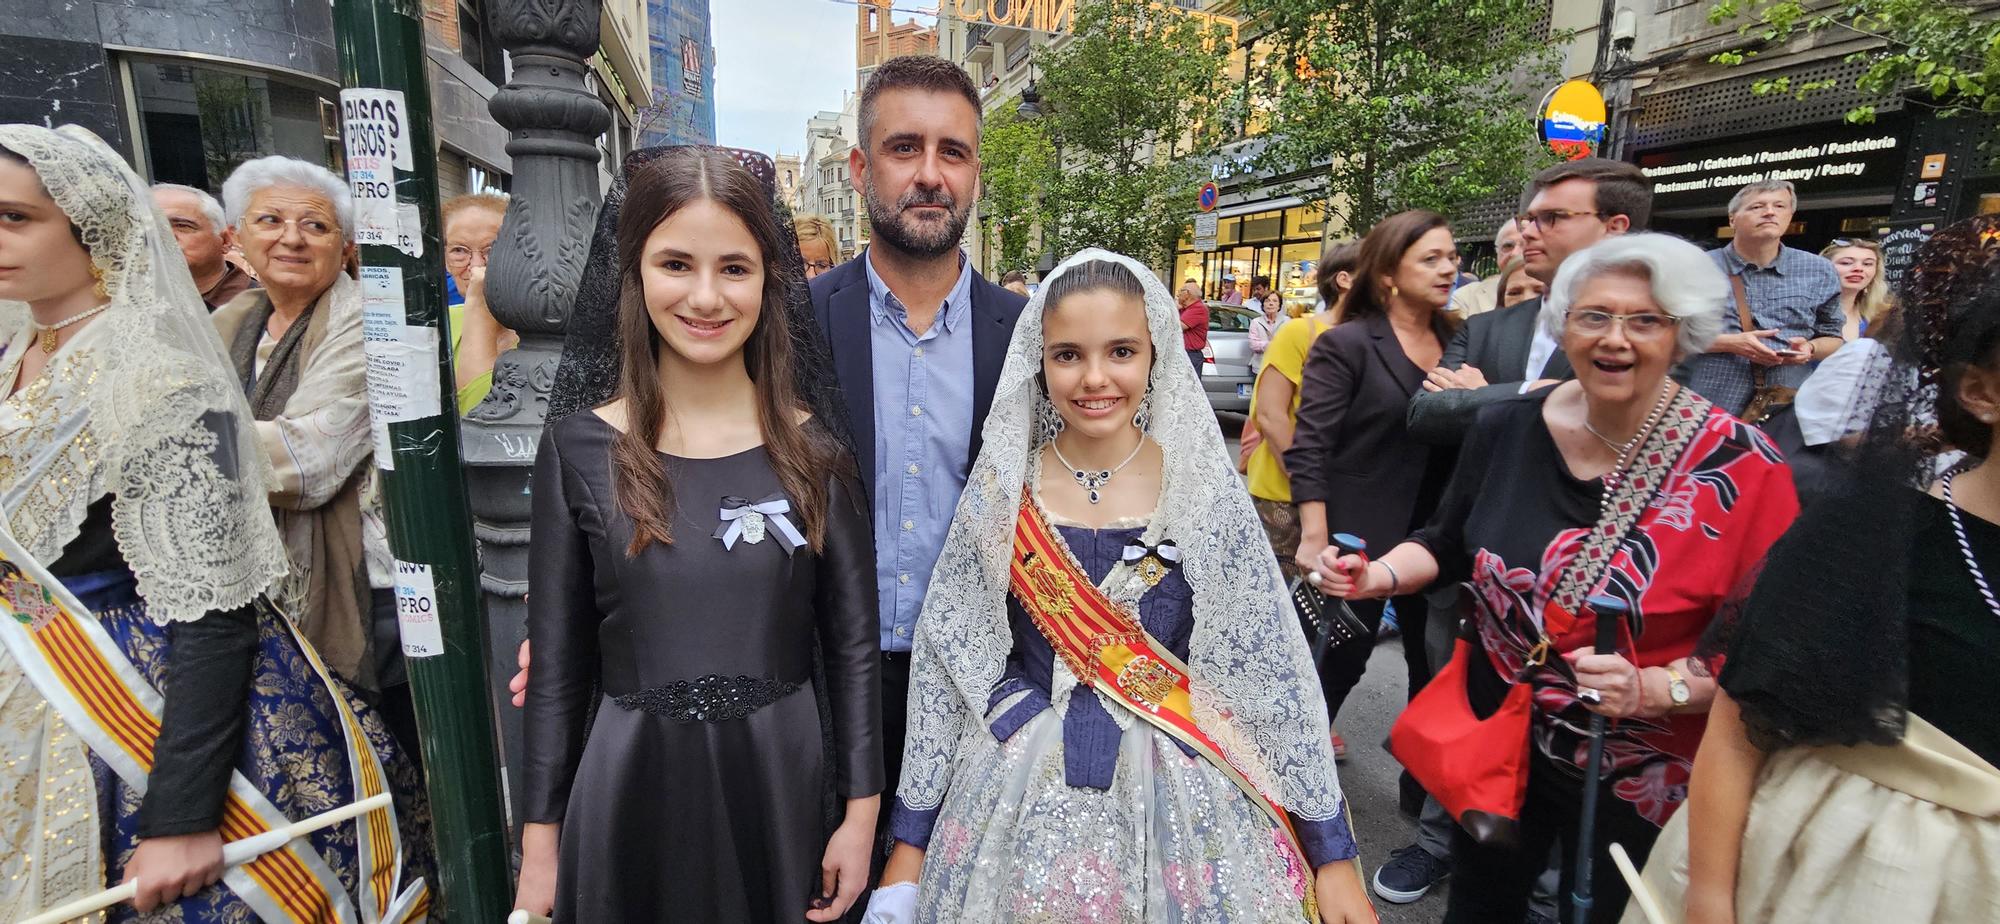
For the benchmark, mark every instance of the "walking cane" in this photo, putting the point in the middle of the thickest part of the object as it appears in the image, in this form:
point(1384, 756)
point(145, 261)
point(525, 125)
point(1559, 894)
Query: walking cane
point(1610, 612)
point(234, 853)
point(1348, 544)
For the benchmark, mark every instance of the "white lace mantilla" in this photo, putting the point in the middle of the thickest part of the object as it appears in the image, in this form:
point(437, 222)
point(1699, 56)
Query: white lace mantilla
point(1255, 691)
point(140, 403)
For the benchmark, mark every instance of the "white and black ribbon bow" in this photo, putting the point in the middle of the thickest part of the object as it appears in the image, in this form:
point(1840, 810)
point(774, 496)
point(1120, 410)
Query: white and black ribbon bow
point(1166, 551)
point(744, 520)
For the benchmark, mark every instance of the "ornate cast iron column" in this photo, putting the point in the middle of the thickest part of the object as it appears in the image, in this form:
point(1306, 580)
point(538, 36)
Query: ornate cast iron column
point(553, 122)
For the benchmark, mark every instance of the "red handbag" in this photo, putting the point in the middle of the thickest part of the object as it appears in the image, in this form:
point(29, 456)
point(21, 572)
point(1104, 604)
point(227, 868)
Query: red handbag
point(1476, 768)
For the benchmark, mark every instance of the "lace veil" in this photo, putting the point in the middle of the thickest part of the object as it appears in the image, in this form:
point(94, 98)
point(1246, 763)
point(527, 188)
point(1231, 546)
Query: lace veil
point(164, 424)
point(1818, 650)
point(1255, 691)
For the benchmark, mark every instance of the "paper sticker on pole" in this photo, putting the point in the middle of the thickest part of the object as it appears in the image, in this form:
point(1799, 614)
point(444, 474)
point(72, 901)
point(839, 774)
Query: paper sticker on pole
point(375, 130)
point(1573, 119)
point(416, 611)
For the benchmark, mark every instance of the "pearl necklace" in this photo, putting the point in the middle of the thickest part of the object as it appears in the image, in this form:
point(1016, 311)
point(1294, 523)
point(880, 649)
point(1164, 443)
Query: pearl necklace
point(46, 336)
point(1629, 452)
point(1094, 481)
point(1965, 548)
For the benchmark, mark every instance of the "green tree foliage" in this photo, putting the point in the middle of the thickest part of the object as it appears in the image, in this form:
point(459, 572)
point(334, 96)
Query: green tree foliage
point(1401, 104)
point(1941, 53)
point(1017, 164)
point(1129, 112)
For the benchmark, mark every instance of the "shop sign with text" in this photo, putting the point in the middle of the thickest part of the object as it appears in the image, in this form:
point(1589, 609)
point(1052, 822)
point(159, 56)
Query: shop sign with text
point(1827, 160)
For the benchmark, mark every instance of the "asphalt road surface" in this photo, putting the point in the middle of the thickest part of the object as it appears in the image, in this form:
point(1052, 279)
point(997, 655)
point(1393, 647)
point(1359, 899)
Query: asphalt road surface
point(1368, 776)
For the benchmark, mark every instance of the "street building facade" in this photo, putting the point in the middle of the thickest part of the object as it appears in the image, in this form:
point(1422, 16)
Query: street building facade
point(683, 69)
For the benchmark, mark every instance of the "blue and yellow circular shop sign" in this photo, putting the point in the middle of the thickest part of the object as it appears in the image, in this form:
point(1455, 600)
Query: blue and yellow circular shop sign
point(1573, 119)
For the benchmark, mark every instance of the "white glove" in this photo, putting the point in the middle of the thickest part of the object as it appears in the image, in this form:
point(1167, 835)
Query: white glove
point(895, 904)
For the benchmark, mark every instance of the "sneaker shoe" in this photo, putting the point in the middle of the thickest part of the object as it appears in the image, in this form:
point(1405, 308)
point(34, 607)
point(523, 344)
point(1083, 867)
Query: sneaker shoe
point(1409, 874)
point(1537, 916)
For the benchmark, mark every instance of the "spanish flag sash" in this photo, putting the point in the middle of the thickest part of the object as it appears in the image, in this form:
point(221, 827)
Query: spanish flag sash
point(103, 698)
point(1105, 646)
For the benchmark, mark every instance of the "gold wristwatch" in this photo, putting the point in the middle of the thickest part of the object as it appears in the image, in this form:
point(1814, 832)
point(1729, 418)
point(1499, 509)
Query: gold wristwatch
point(1677, 688)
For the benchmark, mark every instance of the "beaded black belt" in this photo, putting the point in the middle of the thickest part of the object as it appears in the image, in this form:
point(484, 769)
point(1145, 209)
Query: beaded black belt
point(713, 698)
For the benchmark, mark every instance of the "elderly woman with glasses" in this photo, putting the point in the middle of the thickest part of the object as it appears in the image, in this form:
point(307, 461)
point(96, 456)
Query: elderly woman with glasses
point(1618, 483)
point(296, 346)
point(471, 225)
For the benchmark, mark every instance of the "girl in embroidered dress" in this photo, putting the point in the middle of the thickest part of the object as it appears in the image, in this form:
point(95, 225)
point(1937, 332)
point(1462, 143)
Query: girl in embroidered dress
point(152, 704)
point(694, 539)
point(1112, 714)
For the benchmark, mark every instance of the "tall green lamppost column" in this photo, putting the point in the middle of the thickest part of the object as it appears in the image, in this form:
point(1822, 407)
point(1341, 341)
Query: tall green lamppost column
point(392, 169)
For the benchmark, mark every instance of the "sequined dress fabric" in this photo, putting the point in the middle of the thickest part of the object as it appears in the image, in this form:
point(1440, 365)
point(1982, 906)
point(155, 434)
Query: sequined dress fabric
point(1064, 808)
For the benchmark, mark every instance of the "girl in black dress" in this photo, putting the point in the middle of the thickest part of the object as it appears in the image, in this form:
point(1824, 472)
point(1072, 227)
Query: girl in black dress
point(699, 550)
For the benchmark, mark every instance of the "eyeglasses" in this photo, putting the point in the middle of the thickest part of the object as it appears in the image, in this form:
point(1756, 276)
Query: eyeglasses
point(1854, 242)
point(459, 254)
point(818, 266)
point(1546, 218)
point(1642, 326)
point(272, 225)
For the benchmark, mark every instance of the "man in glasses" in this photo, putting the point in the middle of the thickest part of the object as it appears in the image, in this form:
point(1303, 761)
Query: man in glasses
point(1791, 299)
point(1570, 206)
point(1500, 353)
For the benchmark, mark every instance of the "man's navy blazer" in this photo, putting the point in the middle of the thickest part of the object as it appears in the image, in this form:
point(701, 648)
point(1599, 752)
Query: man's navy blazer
point(840, 304)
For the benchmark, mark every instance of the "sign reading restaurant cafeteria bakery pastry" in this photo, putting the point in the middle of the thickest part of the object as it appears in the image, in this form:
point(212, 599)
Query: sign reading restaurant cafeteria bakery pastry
point(1838, 158)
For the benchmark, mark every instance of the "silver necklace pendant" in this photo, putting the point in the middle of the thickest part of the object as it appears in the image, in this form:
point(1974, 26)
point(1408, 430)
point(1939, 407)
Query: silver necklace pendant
point(753, 527)
point(1092, 483)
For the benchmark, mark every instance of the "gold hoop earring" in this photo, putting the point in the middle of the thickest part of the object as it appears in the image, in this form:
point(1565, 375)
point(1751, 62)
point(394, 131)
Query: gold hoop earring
point(97, 273)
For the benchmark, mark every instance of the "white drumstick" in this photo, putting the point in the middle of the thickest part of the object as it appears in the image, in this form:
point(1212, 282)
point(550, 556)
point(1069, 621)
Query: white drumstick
point(524, 916)
point(1641, 893)
point(235, 853)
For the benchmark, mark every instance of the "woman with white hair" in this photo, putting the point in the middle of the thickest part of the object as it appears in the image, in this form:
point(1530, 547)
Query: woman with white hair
point(1618, 483)
point(296, 346)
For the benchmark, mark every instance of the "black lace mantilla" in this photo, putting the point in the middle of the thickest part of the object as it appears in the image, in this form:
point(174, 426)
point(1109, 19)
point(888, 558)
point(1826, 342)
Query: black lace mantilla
point(713, 698)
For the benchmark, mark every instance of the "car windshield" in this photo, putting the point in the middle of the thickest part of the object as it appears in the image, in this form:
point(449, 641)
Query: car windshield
point(1229, 318)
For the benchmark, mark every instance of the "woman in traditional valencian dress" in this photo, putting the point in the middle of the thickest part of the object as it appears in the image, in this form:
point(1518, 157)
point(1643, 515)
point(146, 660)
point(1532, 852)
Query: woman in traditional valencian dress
point(1113, 714)
point(152, 705)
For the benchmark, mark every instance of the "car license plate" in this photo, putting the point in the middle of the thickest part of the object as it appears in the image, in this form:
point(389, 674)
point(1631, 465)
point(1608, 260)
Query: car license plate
point(1243, 390)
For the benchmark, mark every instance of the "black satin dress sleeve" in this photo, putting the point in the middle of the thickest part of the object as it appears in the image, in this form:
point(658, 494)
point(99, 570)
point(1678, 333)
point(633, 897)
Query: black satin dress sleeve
point(846, 602)
point(563, 620)
point(207, 696)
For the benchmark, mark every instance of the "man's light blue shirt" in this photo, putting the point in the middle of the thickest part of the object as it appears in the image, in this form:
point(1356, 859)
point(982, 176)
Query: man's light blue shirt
point(923, 440)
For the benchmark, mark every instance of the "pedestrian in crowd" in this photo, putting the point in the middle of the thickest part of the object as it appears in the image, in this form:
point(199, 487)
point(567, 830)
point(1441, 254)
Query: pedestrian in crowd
point(205, 238)
point(1481, 296)
point(138, 527)
point(1854, 721)
point(1570, 206)
point(1619, 482)
point(471, 225)
point(707, 730)
point(917, 337)
point(1864, 291)
point(1354, 466)
point(1264, 327)
point(1033, 785)
point(1229, 295)
point(819, 246)
point(1274, 408)
point(1785, 309)
point(1194, 332)
point(1260, 286)
point(1016, 282)
point(1517, 287)
point(296, 347)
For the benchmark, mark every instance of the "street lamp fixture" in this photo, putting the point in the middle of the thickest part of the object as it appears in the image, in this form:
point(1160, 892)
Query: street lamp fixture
point(1031, 102)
